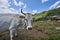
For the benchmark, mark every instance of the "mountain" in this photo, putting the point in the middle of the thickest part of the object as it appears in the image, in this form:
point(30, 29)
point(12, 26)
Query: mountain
point(46, 15)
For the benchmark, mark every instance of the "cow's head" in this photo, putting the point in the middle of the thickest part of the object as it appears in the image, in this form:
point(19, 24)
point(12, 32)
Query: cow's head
point(28, 19)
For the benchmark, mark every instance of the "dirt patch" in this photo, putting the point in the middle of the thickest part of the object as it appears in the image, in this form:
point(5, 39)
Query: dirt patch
point(22, 35)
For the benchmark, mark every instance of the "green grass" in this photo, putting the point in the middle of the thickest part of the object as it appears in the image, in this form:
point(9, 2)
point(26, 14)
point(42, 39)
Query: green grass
point(47, 15)
point(48, 29)
point(40, 15)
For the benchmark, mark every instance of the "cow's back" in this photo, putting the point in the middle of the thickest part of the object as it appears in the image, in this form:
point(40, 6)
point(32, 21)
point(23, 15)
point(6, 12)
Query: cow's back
point(5, 21)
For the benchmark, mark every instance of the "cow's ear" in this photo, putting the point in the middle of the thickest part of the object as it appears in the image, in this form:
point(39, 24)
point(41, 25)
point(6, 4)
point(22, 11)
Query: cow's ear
point(22, 16)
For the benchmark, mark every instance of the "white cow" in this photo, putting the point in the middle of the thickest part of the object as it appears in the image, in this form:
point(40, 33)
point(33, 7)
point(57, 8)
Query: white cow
point(12, 22)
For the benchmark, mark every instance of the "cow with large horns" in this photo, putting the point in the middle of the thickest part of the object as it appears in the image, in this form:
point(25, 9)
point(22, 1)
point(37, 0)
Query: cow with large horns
point(28, 18)
point(11, 22)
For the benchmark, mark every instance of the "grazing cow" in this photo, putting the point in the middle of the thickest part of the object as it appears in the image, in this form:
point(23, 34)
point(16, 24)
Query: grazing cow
point(12, 22)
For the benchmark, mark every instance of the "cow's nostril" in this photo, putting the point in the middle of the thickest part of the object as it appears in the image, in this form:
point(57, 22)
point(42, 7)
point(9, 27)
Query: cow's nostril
point(29, 28)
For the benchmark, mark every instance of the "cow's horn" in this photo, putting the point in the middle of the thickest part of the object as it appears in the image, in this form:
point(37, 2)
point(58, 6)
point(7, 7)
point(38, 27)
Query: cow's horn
point(22, 12)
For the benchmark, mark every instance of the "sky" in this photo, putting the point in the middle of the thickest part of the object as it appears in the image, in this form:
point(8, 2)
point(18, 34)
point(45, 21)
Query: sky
point(31, 6)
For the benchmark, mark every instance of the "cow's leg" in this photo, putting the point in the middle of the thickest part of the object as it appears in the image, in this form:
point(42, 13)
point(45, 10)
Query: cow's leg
point(16, 33)
point(11, 34)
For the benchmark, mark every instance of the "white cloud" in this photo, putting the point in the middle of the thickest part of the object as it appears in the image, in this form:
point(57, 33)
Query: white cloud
point(55, 5)
point(44, 1)
point(58, 6)
point(34, 11)
point(20, 4)
point(4, 7)
point(25, 6)
point(15, 2)
point(4, 3)
point(8, 10)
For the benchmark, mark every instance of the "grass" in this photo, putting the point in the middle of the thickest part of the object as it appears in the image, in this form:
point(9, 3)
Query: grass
point(48, 28)
point(40, 15)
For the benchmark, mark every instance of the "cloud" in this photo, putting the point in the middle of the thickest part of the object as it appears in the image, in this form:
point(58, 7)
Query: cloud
point(55, 5)
point(34, 11)
point(20, 4)
point(43, 1)
point(25, 6)
point(4, 3)
point(8, 10)
point(58, 6)
point(4, 7)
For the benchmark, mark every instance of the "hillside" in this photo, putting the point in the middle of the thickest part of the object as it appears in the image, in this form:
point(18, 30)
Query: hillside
point(46, 15)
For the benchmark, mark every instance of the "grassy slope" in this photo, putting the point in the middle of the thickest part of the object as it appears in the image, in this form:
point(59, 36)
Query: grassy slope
point(48, 28)
point(47, 14)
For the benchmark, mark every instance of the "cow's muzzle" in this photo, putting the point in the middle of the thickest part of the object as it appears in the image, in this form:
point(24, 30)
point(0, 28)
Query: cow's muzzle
point(29, 28)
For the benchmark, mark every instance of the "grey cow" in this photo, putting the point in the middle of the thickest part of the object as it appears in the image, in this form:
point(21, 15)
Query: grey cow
point(12, 21)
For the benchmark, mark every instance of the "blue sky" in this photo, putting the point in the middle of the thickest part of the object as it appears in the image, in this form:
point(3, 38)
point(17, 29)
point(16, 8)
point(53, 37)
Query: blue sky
point(32, 6)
